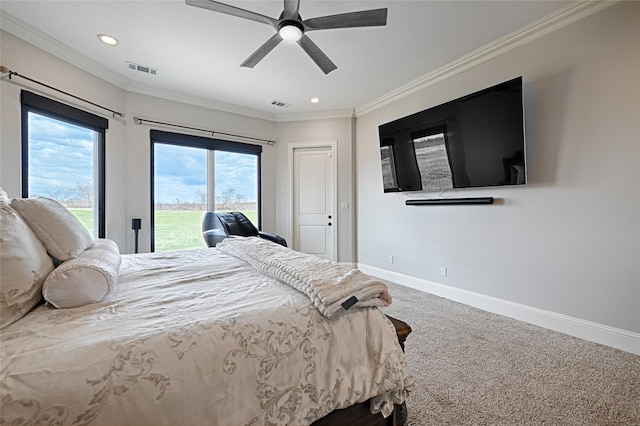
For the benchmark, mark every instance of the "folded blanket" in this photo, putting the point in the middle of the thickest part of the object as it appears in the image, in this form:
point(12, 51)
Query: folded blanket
point(332, 287)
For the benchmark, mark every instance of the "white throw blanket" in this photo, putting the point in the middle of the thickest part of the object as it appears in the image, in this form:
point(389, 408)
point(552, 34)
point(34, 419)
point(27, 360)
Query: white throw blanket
point(329, 285)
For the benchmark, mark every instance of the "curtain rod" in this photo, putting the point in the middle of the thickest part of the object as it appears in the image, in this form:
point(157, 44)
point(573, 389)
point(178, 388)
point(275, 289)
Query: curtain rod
point(139, 121)
point(5, 70)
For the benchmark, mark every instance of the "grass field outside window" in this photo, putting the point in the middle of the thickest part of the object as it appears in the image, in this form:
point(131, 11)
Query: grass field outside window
point(174, 229)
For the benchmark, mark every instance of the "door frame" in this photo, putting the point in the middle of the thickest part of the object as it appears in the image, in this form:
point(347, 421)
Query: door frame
point(332, 144)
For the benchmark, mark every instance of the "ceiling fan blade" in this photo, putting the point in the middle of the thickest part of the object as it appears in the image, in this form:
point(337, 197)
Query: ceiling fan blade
point(291, 8)
point(262, 51)
point(316, 54)
point(365, 18)
point(233, 11)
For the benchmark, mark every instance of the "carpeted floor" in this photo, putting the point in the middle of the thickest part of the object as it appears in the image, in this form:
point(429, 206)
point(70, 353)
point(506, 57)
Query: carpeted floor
point(475, 367)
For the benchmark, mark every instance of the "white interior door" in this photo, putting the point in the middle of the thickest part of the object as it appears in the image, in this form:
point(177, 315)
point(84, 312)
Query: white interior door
point(313, 201)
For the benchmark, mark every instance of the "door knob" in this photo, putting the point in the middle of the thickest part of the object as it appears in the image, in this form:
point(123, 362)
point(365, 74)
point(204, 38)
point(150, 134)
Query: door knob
point(329, 224)
point(329, 216)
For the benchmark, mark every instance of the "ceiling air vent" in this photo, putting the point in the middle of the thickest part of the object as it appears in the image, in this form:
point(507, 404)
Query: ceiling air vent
point(280, 104)
point(142, 68)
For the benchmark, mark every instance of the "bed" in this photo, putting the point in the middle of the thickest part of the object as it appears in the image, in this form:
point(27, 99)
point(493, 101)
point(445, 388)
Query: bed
point(198, 337)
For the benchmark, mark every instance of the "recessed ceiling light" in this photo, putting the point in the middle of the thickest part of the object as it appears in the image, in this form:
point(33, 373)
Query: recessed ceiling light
point(107, 39)
point(314, 100)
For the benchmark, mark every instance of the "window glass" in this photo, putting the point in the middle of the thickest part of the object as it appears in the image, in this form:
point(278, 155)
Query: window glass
point(180, 188)
point(236, 184)
point(192, 175)
point(63, 158)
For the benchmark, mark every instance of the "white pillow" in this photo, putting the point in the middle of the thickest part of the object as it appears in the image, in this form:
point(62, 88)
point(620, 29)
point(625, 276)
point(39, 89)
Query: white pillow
point(85, 279)
point(24, 265)
point(3, 197)
point(60, 231)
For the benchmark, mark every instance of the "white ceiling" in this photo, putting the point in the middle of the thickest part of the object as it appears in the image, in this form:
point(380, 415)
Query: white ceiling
point(198, 52)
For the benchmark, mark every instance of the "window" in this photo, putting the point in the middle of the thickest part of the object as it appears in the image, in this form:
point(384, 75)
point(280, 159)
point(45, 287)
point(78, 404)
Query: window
point(191, 175)
point(63, 157)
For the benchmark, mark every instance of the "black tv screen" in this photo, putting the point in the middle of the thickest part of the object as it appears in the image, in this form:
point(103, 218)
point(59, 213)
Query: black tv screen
point(474, 141)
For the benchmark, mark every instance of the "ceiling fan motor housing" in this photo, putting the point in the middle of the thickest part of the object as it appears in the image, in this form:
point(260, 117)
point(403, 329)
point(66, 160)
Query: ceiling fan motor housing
point(290, 22)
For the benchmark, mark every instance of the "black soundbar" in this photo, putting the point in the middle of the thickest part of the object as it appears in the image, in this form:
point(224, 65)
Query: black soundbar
point(446, 201)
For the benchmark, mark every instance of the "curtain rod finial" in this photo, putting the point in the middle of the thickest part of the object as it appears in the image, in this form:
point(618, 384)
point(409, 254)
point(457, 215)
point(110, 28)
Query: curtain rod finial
point(4, 70)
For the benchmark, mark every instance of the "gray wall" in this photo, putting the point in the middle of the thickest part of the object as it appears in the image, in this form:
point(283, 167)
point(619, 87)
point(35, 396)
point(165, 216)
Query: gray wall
point(568, 242)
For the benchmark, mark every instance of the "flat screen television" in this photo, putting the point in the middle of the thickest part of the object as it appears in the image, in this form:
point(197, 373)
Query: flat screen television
point(475, 141)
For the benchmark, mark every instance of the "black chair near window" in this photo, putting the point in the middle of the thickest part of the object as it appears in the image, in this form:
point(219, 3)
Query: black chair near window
point(216, 226)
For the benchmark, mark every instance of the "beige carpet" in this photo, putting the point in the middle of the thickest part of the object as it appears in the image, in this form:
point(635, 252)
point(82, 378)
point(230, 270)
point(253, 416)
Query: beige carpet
point(474, 367)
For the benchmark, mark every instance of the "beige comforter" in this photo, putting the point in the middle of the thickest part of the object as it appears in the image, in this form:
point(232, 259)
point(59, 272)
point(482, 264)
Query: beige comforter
point(196, 338)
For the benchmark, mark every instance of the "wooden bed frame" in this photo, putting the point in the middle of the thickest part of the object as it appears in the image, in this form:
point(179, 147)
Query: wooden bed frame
point(359, 414)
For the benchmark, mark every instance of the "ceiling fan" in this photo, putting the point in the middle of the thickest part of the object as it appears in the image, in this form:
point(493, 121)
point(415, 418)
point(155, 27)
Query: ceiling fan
point(290, 26)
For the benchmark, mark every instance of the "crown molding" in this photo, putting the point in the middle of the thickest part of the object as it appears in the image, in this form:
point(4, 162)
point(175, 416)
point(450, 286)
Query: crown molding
point(318, 115)
point(176, 96)
point(33, 36)
point(565, 16)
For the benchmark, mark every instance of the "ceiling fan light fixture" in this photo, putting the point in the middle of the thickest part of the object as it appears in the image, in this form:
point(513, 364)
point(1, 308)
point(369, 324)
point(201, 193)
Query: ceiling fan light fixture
point(290, 31)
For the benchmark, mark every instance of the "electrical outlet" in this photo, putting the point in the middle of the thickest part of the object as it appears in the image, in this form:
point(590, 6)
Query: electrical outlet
point(443, 271)
point(390, 258)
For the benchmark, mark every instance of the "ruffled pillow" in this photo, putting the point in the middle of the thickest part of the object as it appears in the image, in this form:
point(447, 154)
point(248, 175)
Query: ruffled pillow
point(60, 231)
point(85, 279)
point(24, 265)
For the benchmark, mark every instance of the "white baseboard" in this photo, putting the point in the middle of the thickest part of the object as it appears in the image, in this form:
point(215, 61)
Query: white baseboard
point(621, 339)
